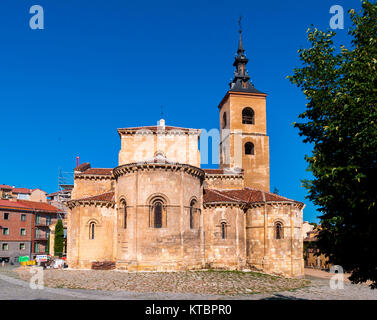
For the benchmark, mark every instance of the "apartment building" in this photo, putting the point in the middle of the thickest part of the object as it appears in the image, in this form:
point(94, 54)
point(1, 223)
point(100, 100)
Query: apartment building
point(24, 228)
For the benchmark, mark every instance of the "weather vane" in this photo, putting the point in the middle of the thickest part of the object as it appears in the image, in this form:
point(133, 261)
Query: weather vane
point(239, 23)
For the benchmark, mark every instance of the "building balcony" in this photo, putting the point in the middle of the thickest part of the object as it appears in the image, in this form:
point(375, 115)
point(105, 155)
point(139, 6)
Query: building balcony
point(41, 238)
point(42, 224)
point(40, 252)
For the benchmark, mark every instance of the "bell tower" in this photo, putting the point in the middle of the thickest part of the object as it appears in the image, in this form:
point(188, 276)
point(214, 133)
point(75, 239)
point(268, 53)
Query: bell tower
point(243, 130)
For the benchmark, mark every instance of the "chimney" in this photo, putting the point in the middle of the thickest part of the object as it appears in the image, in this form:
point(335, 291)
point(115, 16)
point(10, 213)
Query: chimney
point(77, 161)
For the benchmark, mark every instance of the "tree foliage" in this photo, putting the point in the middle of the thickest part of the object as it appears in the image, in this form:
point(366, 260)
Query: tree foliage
point(340, 121)
point(48, 243)
point(59, 239)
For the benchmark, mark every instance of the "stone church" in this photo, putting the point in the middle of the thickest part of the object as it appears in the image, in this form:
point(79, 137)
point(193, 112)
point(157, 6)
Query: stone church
point(158, 210)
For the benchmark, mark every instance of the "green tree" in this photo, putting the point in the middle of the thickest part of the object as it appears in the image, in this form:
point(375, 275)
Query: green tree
point(48, 244)
point(59, 239)
point(341, 122)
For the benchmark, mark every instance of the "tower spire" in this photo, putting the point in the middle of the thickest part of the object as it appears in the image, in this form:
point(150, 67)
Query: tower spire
point(240, 50)
point(241, 78)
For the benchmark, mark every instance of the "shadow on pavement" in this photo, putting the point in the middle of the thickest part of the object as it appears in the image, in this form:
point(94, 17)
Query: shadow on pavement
point(277, 296)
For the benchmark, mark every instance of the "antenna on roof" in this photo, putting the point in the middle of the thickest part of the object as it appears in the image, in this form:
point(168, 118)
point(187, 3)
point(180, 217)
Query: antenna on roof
point(162, 111)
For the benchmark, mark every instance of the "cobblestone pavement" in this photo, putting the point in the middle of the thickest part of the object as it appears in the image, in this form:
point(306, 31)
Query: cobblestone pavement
point(210, 282)
point(12, 288)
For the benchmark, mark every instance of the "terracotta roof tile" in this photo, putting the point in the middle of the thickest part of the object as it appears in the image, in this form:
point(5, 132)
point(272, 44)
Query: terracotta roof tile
point(246, 195)
point(21, 190)
point(40, 206)
point(83, 167)
point(108, 196)
point(86, 169)
point(212, 195)
point(6, 187)
point(213, 171)
point(28, 205)
point(11, 204)
point(101, 171)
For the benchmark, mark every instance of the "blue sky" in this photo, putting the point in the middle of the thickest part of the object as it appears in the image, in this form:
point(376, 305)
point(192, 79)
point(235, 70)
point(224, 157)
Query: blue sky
point(101, 65)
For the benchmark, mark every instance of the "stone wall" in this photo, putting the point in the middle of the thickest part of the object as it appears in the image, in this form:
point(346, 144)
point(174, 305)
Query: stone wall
point(175, 246)
point(224, 181)
point(89, 185)
point(81, 249)
point(264, 252)
point(176, 145)
point(228, 253)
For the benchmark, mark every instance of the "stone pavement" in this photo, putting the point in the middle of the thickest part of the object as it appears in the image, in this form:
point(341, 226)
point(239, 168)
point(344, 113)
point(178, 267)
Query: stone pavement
point(320, 289)
point(15, 289)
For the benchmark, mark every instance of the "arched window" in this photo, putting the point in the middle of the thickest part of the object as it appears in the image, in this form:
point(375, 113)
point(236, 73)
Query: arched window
point(157, 214)
point(279, 234)
point(123, 213)
point(125, 216)
point(247, 116)
point(249, 148)
point(223, 230)
point(92, 227)
point(224, 120)
point(192, 214)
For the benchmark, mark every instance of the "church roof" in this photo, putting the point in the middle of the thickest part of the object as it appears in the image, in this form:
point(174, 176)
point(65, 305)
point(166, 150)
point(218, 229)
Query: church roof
point(82, 167)
point(213, 171)
point(243, 196)
point(107, 199)
point(250, 89)
point(155, 129)
point(100, 171)
point(107, 196)
point(85, 168)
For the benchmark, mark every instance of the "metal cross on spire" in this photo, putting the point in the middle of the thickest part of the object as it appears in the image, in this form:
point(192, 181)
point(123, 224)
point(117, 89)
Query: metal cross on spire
point(240, 50)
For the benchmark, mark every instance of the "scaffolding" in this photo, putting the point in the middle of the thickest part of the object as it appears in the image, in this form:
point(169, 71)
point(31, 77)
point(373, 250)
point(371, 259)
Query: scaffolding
point(65, 186)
